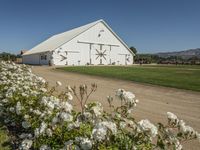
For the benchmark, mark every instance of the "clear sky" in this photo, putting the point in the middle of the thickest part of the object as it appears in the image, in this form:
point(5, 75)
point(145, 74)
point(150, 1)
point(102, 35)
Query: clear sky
point(149, 25)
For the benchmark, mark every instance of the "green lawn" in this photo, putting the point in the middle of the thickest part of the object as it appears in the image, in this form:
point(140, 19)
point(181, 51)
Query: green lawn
point(182, 77)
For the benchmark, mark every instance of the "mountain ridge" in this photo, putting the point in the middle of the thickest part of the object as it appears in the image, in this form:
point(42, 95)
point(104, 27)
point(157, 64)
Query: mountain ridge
point(185, 54)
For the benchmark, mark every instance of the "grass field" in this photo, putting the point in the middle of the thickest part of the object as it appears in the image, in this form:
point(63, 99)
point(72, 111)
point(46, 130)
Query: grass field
point(182, 77)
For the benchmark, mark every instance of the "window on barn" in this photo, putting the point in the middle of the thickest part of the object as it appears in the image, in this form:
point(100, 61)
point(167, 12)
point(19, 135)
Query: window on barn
point(43, 57)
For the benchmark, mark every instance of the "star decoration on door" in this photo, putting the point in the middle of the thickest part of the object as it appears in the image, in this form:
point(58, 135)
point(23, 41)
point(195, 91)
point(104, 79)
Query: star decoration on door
point(101, 54)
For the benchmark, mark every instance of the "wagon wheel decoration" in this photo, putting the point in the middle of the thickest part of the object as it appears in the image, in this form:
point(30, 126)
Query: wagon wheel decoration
point(101, 54)
point(63, 57)
point(65, 54)
point(128, 58)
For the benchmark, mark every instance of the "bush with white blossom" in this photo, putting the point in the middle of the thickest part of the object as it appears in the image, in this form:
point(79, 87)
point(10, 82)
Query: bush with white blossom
point(38, 117)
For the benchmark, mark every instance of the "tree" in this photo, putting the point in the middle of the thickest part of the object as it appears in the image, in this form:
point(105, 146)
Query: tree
point(133, 49)
point(7, 56)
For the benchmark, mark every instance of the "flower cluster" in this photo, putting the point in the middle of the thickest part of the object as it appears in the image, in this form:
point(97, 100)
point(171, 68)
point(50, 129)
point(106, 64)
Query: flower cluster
point(147, 126)
point(41, 118)
point(185, 131)
point(127, 99)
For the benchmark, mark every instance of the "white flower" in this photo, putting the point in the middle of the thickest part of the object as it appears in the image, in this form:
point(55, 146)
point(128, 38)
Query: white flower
point(171, 116)
point(85, 143)
point(41, 130)
point(37, 112)
point(129, 111)
point(69, 96)
point(73, 125)
point(178, 145)
point(189, 130)
point(66, 106)
point(37, 132)
point(146, 125)
point(12, 109)
point(45, 147)
point(122, 124)
point(111, 126)
point(99, 132)
point(55, 120)
point(50, 105)
point(43, 90)
point(26, 144)
point(40, 79)
point(173, 119)
point(129, 97)
point(24, 94)
point(44, 100)
point(67, 145)
point(97, 109)
point(18, 108)
point(5, 100)
point(42, 115)
point(25, 135)
point(186, 129)
point(120, 92)
point(43, 127)
point(49, 132)
point(26, 116)
point(66, 116)
point(129, 122)
point(25, 124)
point(58, 83)
point(87, 115)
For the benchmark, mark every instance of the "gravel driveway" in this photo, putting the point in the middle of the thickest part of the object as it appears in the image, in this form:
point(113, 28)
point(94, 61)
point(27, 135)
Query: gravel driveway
point(155, 101)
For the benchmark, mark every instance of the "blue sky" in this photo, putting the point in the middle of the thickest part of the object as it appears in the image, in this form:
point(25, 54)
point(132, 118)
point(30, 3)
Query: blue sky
point(149, 25)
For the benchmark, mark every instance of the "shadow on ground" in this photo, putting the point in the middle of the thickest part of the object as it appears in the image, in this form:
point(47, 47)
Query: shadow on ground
point(5, 143)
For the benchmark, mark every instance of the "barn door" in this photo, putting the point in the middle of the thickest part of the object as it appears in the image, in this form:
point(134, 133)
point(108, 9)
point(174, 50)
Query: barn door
point(99, 55)
point(66, 57)
point(74, 58)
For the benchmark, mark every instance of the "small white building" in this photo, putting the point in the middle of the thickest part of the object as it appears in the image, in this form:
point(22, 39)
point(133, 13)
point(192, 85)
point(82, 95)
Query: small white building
point(92, 44)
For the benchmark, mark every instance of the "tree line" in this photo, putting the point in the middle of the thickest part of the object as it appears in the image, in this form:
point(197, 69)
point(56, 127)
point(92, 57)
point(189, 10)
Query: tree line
point(154, 58)
point(8, 56)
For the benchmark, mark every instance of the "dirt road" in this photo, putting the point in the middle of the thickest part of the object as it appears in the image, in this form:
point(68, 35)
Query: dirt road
point(155, 101)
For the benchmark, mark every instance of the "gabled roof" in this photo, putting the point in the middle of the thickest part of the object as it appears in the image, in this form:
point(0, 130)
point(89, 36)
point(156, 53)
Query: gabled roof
point(59, 39)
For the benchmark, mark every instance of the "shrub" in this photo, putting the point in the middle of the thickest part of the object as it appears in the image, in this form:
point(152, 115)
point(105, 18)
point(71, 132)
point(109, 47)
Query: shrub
point(38, 117)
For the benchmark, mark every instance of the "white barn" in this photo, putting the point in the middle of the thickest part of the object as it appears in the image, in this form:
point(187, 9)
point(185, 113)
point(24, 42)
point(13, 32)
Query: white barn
point(92, 44)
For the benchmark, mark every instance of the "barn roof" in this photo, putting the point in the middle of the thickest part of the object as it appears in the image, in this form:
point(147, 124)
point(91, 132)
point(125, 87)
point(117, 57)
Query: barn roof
point(59, 39)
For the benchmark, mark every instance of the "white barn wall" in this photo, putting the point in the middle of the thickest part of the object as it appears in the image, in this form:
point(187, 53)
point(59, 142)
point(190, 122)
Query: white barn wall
point(35, 59)
point(106, 37)
point(31, 59)
point(47, 61)
point(91, 35)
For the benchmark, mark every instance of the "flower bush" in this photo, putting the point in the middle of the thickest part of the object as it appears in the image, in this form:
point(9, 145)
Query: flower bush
point(38, 117)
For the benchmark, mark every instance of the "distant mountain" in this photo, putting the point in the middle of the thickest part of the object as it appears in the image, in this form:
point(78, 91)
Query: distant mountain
point(186, 54)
